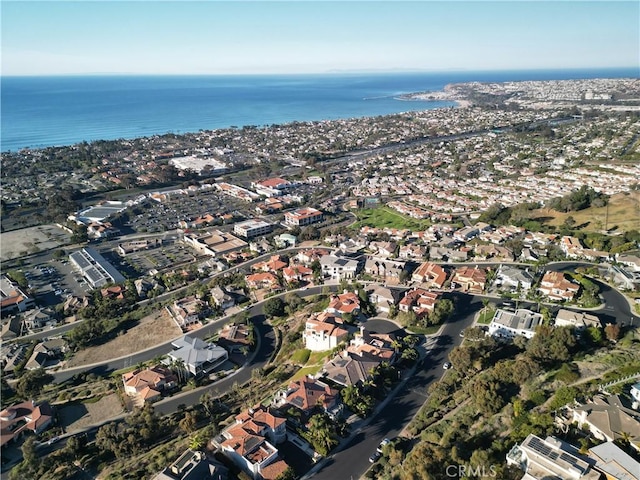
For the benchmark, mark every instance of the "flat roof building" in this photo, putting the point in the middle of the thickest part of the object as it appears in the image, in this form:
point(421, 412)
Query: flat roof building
point(252, 228)
point(95, 268)
point(303, 216)
point(507, 324)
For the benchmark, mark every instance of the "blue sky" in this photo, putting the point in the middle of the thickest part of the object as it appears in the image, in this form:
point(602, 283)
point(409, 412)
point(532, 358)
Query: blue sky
point(217, 37)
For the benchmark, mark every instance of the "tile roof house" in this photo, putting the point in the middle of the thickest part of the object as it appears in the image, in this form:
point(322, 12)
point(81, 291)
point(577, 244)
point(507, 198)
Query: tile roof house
point(373, 346)
point(187, 311)
point(556, 286)
point(263, 280)
point(324, 331)
point(15, 420)
point(297, 273)
point(418, 300)
point(347, 302)
point(274, 264)
point(250, 441)
point(431, 274)
point(148, 384)
point(307, 394)
point(470, 279)
point(412, 251)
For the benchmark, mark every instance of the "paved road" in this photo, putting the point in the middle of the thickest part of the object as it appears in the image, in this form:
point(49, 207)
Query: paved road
point(352, 460)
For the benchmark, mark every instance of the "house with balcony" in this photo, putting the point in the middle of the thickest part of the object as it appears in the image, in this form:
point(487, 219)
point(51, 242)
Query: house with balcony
point(346, 302)
point(324, 331)
point(22, 417)
point(430, 274)
point(557, 287)
point(251, 442)
point(187, 311)
point(196, 356)
point(514, 278)
point(419, 300)
point(338, 268)
point(308, 395)
point(148, 384)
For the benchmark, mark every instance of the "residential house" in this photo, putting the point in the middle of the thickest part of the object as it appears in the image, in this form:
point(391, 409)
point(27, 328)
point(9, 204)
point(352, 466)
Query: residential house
point(250, 442)
point(17, 419)
point(297, 273)
point(308, 256)
point(345, 369)
point(470, 279)
point(324, 331)
point(114, 292)
point(556, 286)
point(372, 346)
point(614, 463)
point(388, 271)
point(346, 302)
point(419, 300)
point(236, 335)
point(187, 311)
point(100, 230)
point(607, 419)
point(514, 278)
point(197, 356)
point(383, 249)
point(12, 298)
point(412, 251)
point(309, 394)
point(339, 268)
point(221, 298)
point(274, 264)
point(430, 274)
point(260, 246)
point(634, 391)
point(263, 280)
point(623, 278)
point(45, 352)
point(39, 318)
point(382, 297)
point(522, 322)
point(578, 320)
point(193, 465)
point(630, 261)
point(149, 383)
point(550, 458)
point(571, 246)
point(495, 252)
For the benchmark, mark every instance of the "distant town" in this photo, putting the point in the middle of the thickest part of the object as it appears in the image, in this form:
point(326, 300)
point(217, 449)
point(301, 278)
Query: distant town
point(450, 293)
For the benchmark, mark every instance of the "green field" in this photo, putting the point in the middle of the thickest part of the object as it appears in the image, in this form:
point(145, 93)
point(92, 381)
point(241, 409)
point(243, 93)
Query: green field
point(382, 217)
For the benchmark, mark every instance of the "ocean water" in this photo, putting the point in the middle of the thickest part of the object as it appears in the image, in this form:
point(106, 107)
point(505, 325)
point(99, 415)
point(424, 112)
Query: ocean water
point(63, 110)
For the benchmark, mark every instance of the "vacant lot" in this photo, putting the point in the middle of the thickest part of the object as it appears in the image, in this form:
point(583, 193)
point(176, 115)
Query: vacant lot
point(76, 416)
point(383, 217)
point(623, 215)
point(152, 330)
point(18, 243)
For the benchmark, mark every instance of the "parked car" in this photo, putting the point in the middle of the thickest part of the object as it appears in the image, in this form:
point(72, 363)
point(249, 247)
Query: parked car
point(384, 442)
point(447, 365)
point(375, 457)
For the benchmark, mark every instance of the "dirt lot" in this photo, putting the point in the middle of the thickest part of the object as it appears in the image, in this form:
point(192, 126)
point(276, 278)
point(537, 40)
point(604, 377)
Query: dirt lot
point(151, 331)
point(21, 242)
point(76, 416)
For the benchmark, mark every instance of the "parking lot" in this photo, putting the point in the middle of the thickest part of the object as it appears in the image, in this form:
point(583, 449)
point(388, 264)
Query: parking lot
point(169, 254)
point(54, 281)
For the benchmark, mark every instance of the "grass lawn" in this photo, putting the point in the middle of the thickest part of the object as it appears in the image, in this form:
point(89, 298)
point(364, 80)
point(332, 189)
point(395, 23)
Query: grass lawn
point(486, 316)
point(623, 215)
point(382, 217)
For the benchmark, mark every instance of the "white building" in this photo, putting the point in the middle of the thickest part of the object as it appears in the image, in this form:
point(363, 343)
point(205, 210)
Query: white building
point(252, 228)
point(578, 320)
point(507, 324)
point(95, 268)
point(338, 267)
point(550, 458)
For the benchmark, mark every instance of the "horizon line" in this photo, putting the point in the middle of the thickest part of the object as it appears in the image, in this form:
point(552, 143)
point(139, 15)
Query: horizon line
point(326, 72)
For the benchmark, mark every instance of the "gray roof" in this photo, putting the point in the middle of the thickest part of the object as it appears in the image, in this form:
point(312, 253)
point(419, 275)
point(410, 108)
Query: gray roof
point(615, 462)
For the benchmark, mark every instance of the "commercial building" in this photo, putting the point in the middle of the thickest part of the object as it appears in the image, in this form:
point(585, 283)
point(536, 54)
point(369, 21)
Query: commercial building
point(95, 268)
point(252, 228)
point(303, 216)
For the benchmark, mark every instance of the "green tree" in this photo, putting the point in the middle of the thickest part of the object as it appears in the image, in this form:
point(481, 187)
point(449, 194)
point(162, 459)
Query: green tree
point(32, 383)
point(274, 307)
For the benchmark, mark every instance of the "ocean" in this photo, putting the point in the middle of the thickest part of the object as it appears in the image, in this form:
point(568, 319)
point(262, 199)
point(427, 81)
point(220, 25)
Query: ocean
point(63, 110)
